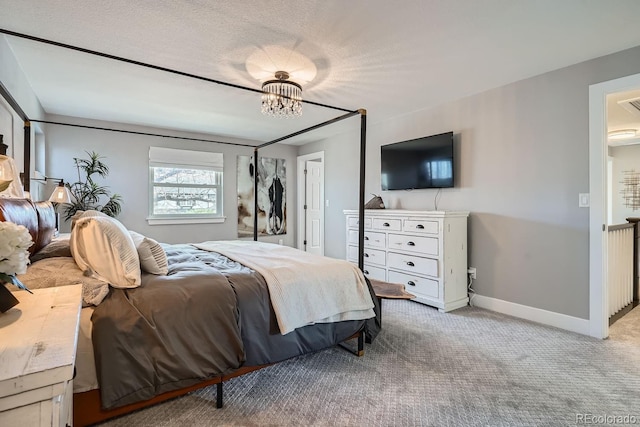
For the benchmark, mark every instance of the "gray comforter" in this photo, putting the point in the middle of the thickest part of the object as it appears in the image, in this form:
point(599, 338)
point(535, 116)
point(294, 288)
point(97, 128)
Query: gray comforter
point(207, 317)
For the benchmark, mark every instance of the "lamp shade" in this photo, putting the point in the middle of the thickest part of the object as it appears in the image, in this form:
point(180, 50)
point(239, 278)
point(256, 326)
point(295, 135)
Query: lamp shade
point(61, 194)
point(10, 178)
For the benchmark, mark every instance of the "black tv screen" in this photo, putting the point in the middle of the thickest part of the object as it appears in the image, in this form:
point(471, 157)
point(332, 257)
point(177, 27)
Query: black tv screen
point(418, 163)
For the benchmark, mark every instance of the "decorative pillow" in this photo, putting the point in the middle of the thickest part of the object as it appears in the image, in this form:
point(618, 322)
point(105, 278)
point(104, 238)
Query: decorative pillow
point(153, 258)
point(103, 245)
point(85, 214)
point(62, 271)
point(59, 247)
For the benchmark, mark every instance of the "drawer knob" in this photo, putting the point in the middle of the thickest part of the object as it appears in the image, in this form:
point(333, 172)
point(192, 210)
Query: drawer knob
point(411, 283)
point(420, 227)
point(410, 264)
point(366, 272)
point(386, 224)
point(411, 244)
point(366, 255)
point(366, 238)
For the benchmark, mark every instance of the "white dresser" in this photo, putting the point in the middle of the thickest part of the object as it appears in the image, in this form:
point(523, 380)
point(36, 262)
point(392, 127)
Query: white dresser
point(424, 250)
point(37, 354)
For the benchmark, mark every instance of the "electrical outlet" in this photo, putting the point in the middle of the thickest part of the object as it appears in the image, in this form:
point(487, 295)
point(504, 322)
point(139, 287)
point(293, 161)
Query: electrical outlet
point(472, 272)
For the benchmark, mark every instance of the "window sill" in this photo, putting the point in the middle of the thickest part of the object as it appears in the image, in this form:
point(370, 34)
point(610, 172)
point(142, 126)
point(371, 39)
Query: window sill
point(172, 221)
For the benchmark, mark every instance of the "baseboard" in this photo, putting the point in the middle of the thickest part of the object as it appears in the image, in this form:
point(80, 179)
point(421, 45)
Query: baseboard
point(562, 321)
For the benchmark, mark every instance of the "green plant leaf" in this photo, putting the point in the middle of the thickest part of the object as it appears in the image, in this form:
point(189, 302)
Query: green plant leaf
point(5, 184)
point(87, 193)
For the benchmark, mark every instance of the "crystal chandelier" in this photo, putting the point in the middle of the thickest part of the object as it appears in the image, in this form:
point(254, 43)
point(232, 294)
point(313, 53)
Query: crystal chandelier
point(281, 97)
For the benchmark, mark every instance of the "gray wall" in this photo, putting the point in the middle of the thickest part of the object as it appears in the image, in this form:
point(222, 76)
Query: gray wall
point(127, 157)
point(522, 158)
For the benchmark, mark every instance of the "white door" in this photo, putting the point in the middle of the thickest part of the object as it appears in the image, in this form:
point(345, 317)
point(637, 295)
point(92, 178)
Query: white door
point(314, 197)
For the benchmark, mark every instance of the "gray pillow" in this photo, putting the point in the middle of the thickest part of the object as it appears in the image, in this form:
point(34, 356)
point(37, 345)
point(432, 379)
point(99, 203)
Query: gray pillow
point(58, 247)
point(63, 271)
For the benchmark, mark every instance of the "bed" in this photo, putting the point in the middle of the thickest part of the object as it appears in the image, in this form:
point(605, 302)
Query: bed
point(254, 341)
point(210, 318)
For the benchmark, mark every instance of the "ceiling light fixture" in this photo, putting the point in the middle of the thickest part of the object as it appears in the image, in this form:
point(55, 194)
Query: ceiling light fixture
point(622, 134)
point(281, 97)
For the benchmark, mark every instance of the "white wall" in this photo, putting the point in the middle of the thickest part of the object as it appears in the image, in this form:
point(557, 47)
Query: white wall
point(127, 157)
point(11, 125)
point(625, 158)
point(522, 158)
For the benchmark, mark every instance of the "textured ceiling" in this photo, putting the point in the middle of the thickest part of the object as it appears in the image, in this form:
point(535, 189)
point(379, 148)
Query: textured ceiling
point(391, 58)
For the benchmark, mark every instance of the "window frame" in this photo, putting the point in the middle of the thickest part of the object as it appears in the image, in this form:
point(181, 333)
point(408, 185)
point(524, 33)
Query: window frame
point(186, 159)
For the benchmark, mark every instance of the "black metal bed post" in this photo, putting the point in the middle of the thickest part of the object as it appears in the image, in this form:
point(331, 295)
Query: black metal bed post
point(363, 159)
point(255, 194)
point(266, 144)
point(26, 177)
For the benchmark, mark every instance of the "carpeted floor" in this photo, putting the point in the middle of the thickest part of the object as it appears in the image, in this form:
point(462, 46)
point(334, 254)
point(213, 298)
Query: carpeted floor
point(627, 328)
point(469, 367)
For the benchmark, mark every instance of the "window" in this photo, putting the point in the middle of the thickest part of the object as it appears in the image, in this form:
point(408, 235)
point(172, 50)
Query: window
point(184, 186)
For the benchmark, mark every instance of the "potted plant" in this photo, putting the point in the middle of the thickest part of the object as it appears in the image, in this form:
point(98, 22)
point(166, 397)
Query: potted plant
point(88, 194)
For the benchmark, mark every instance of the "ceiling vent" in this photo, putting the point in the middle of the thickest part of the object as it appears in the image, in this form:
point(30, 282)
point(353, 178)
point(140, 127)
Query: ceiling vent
point(631, 105)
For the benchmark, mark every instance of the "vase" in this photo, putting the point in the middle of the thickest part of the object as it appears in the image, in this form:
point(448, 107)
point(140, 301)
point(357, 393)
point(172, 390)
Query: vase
point(7, 300)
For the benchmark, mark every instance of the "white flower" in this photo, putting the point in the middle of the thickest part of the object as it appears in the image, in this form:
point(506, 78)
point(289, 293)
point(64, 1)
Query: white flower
point(15, 241)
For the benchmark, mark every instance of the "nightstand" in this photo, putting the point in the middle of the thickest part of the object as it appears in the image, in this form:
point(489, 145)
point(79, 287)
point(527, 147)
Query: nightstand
point(38, 340)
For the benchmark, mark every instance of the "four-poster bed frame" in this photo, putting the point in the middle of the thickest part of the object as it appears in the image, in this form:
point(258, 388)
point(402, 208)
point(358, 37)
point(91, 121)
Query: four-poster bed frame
point(87, 409)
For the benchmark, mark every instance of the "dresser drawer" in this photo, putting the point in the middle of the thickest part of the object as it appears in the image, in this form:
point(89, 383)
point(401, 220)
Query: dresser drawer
point(413, 264)
point(374, 240)
point(415, 284)
point(417, 244)
point(371, 239)
point(420, 226)
point(352, 222)
point(387, 224)
point(352, 236)
point(375, 256)
point(371, 256)
point(373, 272)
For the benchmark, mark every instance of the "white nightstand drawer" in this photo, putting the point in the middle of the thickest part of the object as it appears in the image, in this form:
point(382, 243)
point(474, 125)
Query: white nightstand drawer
point(413, 264)
point(352, 222)
point(386, 224)
point(415, 284)
point(420, 226)
point(37, 368)
point(416, 244)
point(373, 272)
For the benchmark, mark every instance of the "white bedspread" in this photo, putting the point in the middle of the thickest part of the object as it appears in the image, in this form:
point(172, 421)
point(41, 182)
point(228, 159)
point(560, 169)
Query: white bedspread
point(304, 288)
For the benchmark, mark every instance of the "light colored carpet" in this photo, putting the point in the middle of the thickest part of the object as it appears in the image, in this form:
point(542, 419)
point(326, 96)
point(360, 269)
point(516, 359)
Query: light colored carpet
point(469, 367)
point(627, 328)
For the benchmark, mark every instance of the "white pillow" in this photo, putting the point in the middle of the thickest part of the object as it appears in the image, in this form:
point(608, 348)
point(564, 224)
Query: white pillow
point(85, 214)
point(153, 258)
point(104, 246)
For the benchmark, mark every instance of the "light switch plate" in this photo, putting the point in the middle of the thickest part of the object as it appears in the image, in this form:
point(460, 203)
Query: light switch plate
point(583, 200)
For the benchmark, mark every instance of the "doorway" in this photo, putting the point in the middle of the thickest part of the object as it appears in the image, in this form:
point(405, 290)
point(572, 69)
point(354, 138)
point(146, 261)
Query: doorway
point(311, 203)
point(599, 193)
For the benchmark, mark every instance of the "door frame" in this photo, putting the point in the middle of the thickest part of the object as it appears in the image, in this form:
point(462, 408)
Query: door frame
point(598, 189)
point(301, 160)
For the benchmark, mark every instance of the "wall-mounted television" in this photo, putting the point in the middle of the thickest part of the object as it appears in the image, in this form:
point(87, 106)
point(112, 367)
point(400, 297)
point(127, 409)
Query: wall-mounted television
point(425, 162)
